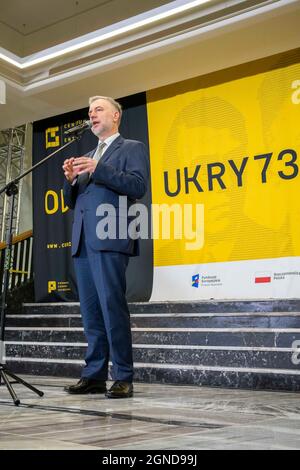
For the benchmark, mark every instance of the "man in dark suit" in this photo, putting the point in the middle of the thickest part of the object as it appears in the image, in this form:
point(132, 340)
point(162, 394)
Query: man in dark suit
point(101, 187)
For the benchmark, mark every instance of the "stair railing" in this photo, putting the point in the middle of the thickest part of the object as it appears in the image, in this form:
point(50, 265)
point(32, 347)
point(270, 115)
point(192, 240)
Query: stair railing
point(21, 260)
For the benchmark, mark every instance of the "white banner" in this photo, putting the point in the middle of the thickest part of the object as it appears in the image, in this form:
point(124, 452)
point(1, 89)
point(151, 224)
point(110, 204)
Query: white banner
point(256, 279)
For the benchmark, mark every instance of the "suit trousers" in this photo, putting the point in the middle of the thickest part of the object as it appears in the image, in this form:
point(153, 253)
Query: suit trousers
point(102, 286)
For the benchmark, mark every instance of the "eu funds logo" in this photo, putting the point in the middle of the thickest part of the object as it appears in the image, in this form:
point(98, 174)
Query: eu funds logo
point(195, 280)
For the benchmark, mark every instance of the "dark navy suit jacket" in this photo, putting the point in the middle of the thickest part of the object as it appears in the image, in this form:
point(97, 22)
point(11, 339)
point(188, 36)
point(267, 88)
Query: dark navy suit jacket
point(122, 171)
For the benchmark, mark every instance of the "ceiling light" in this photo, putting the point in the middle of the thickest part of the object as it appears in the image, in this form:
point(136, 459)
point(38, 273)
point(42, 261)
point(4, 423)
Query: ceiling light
point(79, 43)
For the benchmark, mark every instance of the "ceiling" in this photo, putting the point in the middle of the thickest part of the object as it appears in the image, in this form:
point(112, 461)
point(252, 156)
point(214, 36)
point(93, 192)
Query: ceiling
point(27, 17)
point(27, 26)
point(121, 47)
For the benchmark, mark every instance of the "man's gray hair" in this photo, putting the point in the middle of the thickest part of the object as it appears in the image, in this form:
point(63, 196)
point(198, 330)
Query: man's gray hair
point(115, 103)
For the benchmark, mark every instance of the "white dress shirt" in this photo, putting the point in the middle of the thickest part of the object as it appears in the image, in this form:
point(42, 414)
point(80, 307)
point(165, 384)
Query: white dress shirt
point(108, 142)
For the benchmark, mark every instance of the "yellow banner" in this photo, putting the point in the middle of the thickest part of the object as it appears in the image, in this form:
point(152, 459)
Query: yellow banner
point(233, 147)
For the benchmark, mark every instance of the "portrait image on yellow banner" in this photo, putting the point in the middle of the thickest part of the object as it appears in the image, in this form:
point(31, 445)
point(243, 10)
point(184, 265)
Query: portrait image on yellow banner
point(232, 146)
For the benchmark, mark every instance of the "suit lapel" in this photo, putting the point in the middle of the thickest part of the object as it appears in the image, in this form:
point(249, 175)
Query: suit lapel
point(112, 148)
point(84, 179)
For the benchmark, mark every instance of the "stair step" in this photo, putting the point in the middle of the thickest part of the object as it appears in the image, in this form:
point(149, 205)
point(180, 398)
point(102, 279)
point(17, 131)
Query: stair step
point(196, 355)
point(213, 376)
point(252, 337)
point(210, 306)
point(203, 320)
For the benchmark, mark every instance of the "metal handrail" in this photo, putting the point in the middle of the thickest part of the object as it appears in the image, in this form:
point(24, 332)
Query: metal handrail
point(21, 260)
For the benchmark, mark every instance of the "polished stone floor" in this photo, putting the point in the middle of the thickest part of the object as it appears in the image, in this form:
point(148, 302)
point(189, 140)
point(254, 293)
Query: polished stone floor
point(157, 417)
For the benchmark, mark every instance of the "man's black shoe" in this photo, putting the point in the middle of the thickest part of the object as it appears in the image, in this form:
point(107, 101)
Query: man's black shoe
point(87, 386)
point(120, 390)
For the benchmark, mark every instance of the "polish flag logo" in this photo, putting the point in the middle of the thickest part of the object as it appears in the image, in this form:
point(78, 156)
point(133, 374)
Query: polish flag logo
point(262, 278)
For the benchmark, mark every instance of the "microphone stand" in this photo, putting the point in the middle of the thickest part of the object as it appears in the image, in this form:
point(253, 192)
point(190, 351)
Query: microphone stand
point(11, 189)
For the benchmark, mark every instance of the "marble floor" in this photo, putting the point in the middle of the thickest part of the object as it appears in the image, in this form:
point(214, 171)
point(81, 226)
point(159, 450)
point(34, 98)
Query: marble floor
point(157, 417)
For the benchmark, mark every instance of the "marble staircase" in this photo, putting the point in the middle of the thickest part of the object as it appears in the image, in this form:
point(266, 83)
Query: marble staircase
point(235, 344)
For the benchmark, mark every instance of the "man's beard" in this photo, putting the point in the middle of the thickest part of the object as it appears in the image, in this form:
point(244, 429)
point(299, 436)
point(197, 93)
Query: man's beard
point(98, 132)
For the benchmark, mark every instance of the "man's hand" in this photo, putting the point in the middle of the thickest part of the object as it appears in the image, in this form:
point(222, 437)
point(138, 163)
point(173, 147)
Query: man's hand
point(70, 171)
point(84, 164)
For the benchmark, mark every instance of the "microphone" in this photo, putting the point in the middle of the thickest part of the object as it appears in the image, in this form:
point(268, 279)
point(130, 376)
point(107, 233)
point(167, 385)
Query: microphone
point(80, 128)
